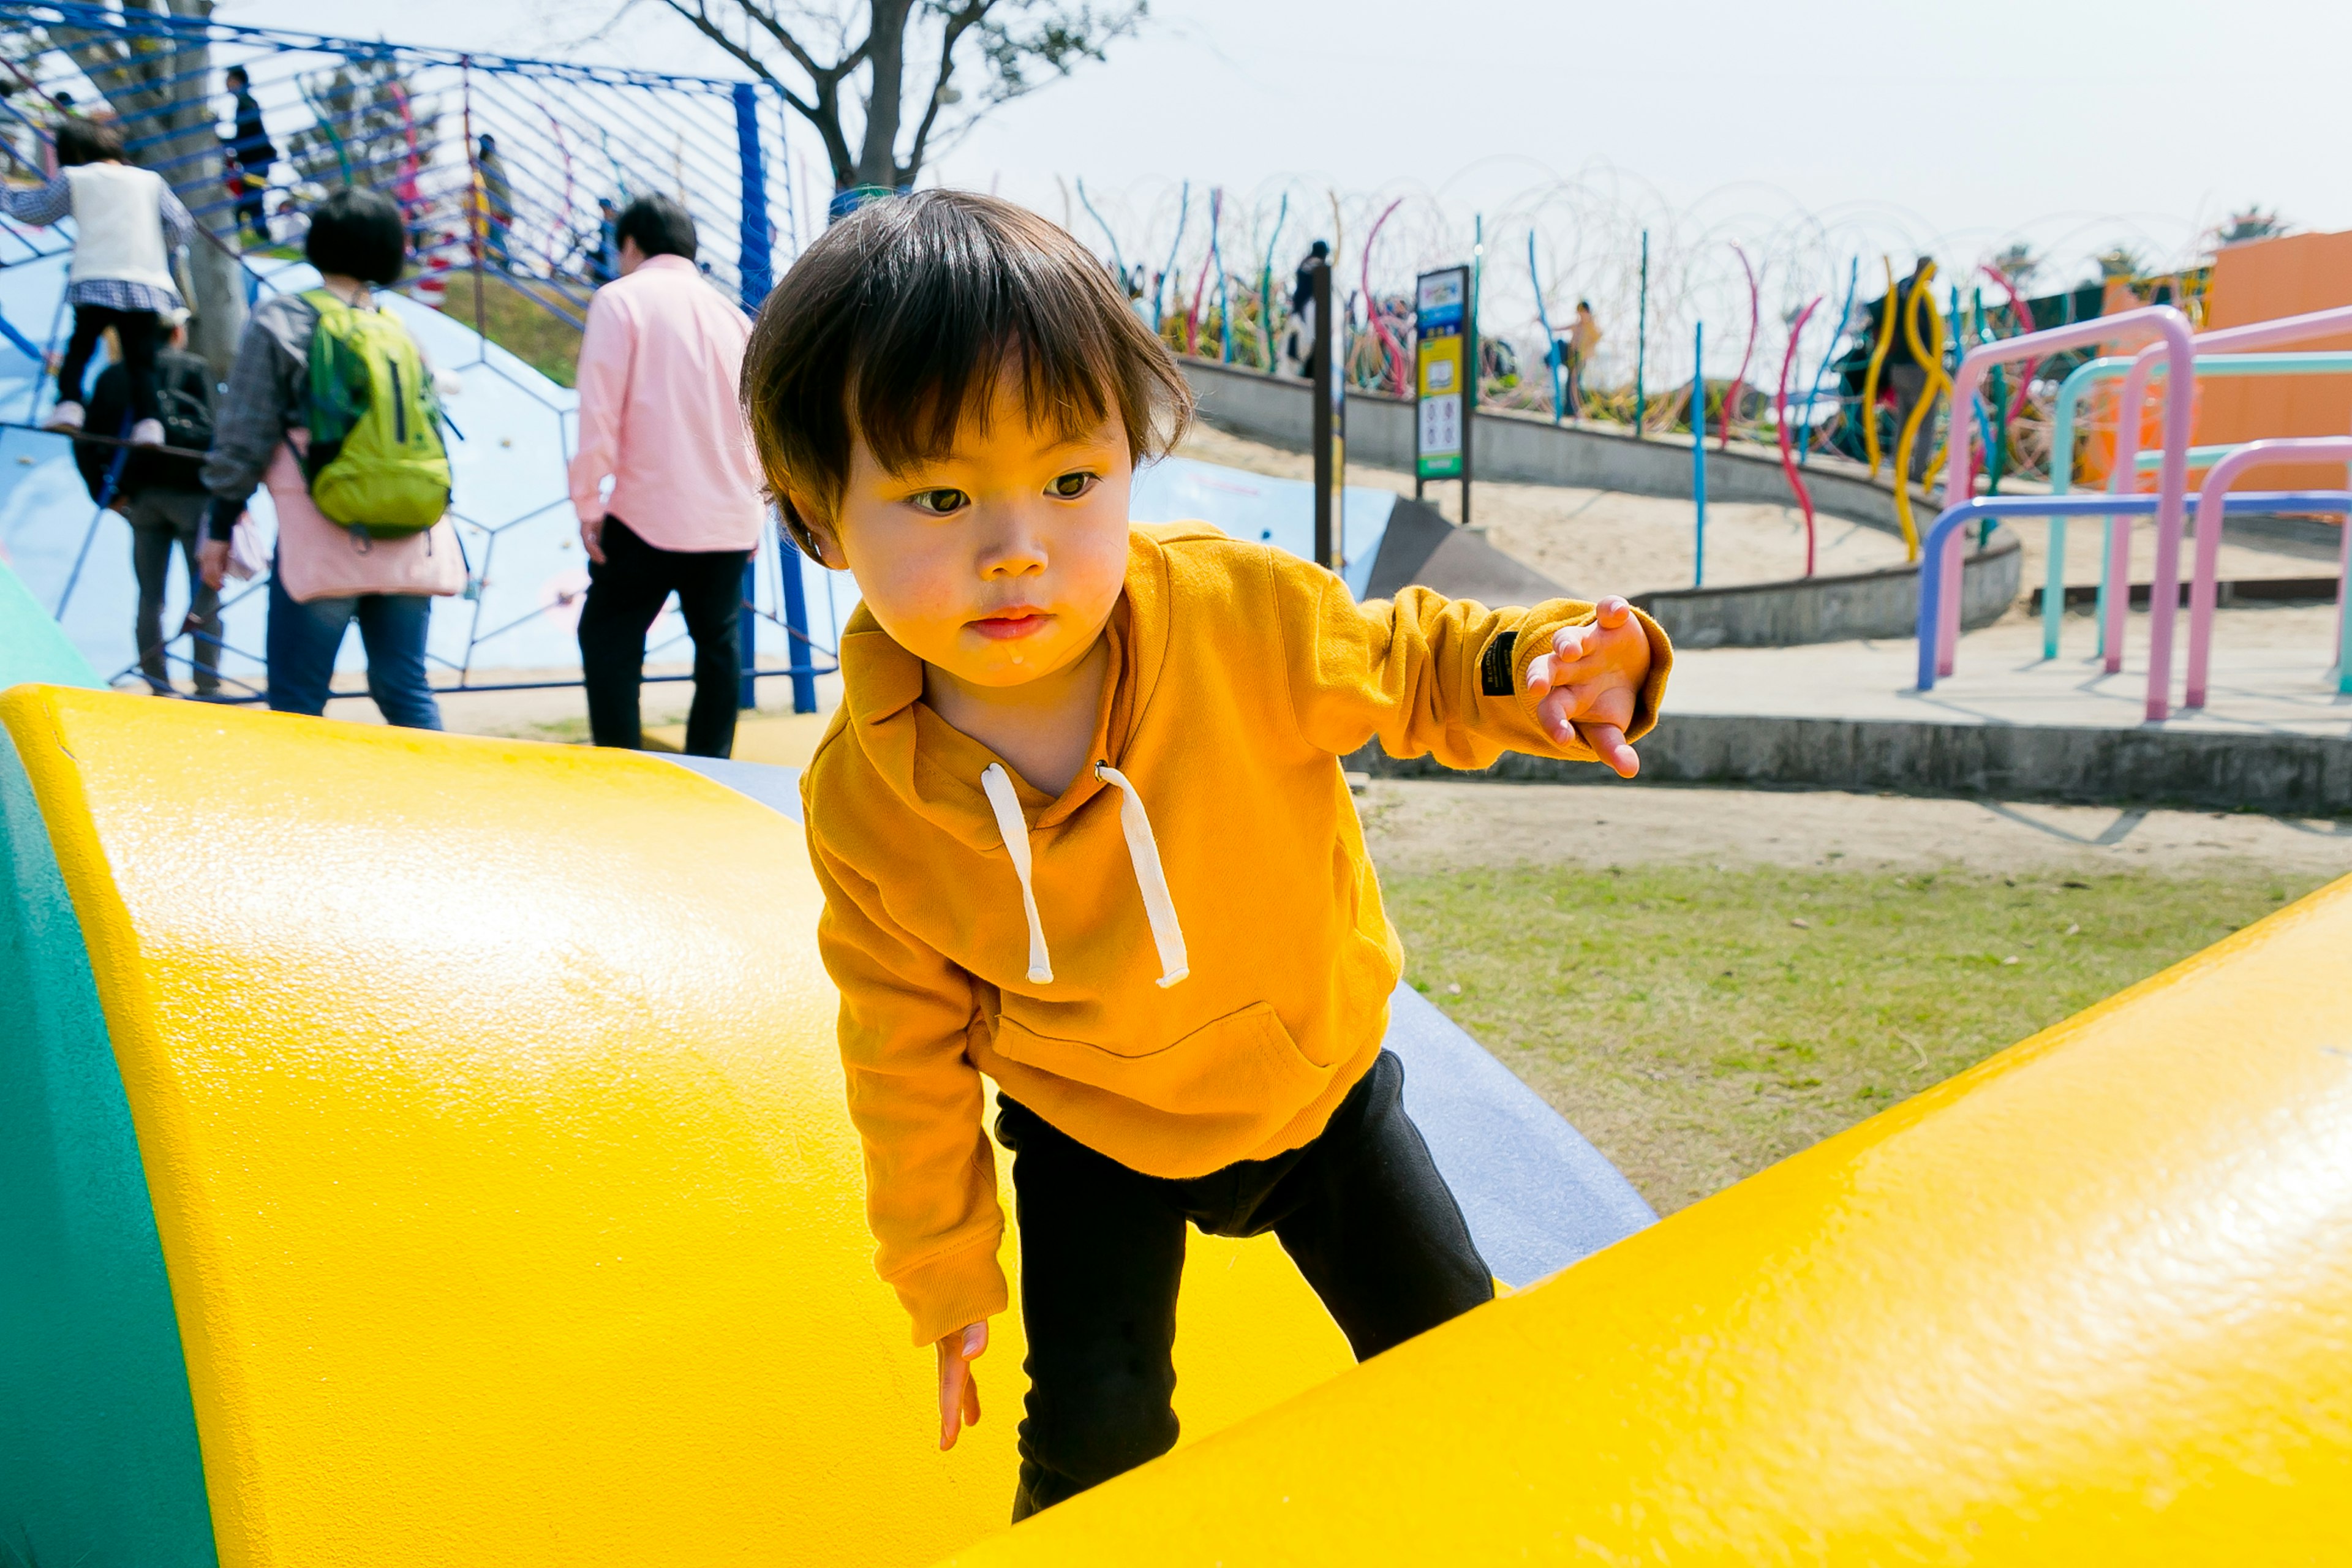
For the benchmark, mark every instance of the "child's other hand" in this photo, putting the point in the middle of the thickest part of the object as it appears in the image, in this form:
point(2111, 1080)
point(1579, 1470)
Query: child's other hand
point(1588, 681)
point(959, 1389)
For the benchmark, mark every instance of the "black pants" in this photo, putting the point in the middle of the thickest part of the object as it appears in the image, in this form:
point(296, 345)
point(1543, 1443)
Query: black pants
point(1362, 1210)
point(161, 517)
point(253, 205)
point(136, 332)
point(1910, 384)
point(625, 594)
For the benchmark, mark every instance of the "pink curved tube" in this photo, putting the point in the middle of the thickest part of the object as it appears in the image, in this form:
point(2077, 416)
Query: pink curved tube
point(2203, 589)
point(1731, 398)
point(2024, 314)
point(1395, 351)
point(1781, 425)
point(2172, 479)
point(1201, 284)
point(2179, 407)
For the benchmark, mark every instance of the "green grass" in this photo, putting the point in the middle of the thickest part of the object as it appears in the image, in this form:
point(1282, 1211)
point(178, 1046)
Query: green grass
point(512, 318)
point(1688, 1022)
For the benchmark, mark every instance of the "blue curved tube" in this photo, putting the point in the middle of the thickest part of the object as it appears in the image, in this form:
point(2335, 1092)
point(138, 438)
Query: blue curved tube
point(1989, 507)
point(1217, 260)
point(1265, 282)
point(1845, 314)
point(1118, 261)
point(1159, 289)
point(1551, 345)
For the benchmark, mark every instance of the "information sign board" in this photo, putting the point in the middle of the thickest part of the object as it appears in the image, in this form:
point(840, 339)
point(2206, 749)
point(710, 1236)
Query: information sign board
point(1444, 351)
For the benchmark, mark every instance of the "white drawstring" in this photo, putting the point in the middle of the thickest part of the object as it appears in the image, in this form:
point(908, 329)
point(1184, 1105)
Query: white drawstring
point(1014, 828)
point(1144, 851)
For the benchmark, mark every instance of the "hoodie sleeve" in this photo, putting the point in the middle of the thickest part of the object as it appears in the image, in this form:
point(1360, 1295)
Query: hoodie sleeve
point(915, 1099)
point(1426, 675)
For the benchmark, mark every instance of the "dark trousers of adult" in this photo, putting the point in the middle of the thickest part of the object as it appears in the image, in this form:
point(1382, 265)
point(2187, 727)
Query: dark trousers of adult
point(1910, 384)
point(1362, 1210)
point(305, 637)
point(625, 591)
point(135, 330)
point(160, 518)
point(253, 204)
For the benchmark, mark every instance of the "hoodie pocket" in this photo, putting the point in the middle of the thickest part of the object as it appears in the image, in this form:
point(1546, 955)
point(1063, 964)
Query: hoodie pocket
point(1244, 1064)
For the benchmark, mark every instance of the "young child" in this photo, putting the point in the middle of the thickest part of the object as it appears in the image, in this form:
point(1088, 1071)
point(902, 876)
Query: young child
point(127, 224)
point(1081, 826)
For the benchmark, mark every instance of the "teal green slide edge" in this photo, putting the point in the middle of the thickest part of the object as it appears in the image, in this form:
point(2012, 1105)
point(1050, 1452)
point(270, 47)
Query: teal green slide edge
point(98, 1460)
point(33, 646)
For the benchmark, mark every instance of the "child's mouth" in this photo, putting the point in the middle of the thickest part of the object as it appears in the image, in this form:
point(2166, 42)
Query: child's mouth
point(1005, 627)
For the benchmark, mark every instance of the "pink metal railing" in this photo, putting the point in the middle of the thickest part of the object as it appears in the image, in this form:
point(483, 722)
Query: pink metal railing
point(2203, 589)
point(2172, 477)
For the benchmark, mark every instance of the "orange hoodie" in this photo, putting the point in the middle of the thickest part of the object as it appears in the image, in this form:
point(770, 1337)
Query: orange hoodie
point(1183, 960)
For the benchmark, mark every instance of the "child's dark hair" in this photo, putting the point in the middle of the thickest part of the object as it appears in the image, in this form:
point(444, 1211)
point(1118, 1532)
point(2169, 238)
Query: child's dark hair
point(358, 234)
point(81, 141)
point(898, 323)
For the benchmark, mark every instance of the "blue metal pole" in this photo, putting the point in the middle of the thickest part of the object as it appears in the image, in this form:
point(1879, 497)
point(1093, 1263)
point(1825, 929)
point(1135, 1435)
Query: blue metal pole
point(1698, 451)
point(800, 652)
point(1641, 341)
point(755, 255)
point(747, 637)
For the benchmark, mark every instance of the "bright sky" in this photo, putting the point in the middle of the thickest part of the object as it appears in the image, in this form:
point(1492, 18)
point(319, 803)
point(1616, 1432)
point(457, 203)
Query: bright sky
point(1811, 132)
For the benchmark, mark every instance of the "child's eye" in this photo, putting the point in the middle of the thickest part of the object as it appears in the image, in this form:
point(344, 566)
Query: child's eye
point(1070, 486)
point(940, 502)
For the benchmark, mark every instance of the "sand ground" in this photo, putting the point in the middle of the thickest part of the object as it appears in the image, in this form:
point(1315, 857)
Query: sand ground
point(1415, 826)
point(1596, 541)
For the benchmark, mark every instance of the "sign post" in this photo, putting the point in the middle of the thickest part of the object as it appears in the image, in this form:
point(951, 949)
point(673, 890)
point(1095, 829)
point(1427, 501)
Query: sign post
point(1329, 438)
point(1445, 379)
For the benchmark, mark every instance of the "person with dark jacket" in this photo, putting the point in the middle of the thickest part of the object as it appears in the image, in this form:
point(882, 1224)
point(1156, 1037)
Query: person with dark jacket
point(1902, 368)
point(161, 496)
point(249, 154)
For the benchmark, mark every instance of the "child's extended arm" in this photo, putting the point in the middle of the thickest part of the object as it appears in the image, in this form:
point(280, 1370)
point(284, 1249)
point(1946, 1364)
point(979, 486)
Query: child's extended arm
point(1449, 678)
point(930, 1173)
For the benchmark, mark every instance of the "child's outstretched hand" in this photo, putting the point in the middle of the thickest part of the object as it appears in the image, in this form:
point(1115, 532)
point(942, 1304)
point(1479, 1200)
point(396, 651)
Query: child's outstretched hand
point(1588, 681)
point(959, 1389)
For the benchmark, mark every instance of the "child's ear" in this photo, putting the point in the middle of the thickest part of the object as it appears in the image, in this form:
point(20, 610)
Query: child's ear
point(803, 515)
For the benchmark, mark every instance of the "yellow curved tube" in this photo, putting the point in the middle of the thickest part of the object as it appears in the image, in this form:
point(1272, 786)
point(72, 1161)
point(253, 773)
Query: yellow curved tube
point(1932, 353)
point(2086, 1303)
point(500, 1157)
point(1870, 378)
point(1919, 411)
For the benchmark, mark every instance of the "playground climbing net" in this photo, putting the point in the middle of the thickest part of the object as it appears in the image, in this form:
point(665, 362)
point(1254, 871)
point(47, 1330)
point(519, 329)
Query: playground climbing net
point(508, 173)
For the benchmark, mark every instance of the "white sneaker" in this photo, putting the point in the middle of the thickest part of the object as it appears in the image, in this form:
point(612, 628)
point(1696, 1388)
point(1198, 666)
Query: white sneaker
point(64, 416)
point(147, 433)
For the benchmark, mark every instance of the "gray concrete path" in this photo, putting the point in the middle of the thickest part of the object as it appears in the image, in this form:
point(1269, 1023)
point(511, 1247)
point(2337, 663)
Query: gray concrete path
point(2272, 675)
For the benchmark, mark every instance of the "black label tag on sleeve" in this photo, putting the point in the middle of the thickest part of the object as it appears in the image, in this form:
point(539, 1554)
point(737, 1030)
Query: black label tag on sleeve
point(1494, 666)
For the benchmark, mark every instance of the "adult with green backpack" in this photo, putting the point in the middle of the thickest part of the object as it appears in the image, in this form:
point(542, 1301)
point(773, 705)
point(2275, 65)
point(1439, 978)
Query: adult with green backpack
point(331, 405)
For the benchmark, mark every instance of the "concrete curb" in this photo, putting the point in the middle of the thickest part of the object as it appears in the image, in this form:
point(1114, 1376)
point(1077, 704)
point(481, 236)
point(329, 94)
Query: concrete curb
point(1842, 608)
point(2296, 775)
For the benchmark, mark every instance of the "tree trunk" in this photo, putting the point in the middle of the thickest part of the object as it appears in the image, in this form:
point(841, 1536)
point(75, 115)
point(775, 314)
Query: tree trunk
point(877, 161)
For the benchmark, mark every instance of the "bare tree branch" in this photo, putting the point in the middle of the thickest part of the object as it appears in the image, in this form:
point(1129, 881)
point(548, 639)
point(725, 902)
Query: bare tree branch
point(1022, 44)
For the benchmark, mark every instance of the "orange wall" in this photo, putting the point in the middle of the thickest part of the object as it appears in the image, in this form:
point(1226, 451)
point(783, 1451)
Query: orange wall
point(2260, 282)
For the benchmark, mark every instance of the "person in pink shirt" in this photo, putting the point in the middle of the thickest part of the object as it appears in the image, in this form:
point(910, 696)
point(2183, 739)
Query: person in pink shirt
point(659, 418)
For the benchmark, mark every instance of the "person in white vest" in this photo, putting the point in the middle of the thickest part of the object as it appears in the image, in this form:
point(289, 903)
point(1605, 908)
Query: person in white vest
point(127, 224)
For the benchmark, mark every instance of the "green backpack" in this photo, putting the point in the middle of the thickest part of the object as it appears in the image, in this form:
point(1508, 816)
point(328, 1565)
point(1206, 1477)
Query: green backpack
point(376, 461)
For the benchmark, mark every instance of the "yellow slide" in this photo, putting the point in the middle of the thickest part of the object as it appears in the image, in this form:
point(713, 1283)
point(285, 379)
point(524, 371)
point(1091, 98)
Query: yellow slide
point(488, 1105)
point(485, 1096)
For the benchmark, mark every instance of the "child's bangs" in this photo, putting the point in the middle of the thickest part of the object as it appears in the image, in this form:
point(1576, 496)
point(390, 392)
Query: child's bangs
point(927, 378)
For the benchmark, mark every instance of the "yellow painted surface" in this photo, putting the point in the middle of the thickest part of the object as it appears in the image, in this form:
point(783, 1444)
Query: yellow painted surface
point(2090, 1303)
point(490, 1111)
point(778, 740)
